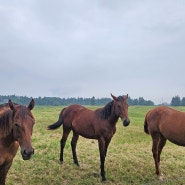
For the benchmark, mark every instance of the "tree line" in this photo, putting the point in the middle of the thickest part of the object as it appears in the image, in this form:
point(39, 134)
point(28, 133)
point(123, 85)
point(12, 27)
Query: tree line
point(56, 101)
point(177, 101)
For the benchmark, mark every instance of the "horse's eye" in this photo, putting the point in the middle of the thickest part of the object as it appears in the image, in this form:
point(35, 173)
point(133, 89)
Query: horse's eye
point(17, 125)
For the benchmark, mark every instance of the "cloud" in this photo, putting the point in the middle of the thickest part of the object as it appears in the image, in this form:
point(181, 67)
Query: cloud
point(93, 48)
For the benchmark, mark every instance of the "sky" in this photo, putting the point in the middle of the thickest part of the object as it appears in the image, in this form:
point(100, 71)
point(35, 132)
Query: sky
point(86, 48)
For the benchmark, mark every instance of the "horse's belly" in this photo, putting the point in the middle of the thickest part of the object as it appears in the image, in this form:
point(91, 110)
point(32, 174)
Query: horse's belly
point(173, 130)
point(88, 136)
point(176, 137)
point(177, 141)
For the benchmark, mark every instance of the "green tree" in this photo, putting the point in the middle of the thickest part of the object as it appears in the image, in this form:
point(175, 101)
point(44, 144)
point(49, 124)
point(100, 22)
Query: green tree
point(176, 101)
point(93, 101)
point(183, 101)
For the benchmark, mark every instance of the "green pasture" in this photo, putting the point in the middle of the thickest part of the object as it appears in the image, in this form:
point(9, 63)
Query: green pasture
point(129, 159)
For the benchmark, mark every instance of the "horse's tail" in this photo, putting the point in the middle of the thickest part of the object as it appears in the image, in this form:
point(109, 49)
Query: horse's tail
point(56, 124)
point(146, 125)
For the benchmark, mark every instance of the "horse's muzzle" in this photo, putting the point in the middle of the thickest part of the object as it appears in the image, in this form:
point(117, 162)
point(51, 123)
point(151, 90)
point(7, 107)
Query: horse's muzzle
point(26, 154)
point(126, 122)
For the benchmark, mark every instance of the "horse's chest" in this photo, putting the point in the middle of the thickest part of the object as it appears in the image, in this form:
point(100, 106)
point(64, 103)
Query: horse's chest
point(107, 132)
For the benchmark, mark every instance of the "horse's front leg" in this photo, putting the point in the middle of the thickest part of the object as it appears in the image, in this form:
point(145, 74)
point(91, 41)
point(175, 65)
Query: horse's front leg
point(3, 172)
point(101, 143)
point(73, 146)
point(107, 142)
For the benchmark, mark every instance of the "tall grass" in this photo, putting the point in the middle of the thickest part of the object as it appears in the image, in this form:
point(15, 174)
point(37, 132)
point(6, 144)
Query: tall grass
point(129, 159)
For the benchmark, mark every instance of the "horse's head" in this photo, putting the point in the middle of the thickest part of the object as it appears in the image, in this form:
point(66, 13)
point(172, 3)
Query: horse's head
point(121, 108)
point(23, 122)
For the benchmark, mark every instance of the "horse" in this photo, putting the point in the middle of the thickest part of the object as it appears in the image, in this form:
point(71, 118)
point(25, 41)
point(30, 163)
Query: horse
point(99, 124)
point(16, 125)
point(164, 123)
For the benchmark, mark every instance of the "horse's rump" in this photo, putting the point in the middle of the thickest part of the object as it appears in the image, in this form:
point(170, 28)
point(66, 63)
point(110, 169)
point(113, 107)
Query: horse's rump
point(168, 122)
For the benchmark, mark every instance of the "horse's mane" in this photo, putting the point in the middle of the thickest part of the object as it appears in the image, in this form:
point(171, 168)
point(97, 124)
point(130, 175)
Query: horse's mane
point(105, 112)
point(5, 119)
point(120, 98)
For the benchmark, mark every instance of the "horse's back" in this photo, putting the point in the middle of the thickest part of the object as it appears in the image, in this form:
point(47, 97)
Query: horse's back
point(75, 112)
point(167, 121)
point(76, 107)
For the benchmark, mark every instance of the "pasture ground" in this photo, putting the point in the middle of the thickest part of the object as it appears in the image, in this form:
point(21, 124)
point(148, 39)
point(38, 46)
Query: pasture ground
point(129, 159)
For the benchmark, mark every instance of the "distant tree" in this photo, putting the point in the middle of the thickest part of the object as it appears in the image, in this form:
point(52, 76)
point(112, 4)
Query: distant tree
point(135, 102)
point(176, 101)
point(183, 101)
point(56, 101)
point(141, 101)
point(150, 103)
point(93, 101)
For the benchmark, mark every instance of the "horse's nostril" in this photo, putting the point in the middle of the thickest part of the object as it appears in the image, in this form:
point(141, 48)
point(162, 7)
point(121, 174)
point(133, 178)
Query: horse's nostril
point(24, 152)
point(128, 121)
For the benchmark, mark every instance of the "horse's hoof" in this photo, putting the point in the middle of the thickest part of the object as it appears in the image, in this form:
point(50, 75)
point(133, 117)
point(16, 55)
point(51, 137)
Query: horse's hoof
point(77, 164)
point(104, 180)
point(160, 177)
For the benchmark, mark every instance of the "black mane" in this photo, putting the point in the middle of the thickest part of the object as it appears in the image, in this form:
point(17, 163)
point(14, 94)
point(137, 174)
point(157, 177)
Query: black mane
point(120, 98)
point(5, 119)
point(105, 112)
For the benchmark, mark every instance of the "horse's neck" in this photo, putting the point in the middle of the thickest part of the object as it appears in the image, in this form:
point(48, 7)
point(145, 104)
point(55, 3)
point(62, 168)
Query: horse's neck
point(113, 118)
point(7, 140)
point(107, 112)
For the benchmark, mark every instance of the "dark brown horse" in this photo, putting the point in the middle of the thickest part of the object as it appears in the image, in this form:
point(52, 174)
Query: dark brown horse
point(99, 124)
point(164, 123)
point(16, 125)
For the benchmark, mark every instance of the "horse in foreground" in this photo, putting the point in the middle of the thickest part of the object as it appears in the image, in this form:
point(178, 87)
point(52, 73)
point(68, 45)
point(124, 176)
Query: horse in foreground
point(99, 124)
point(164, 123)
point(16, 125)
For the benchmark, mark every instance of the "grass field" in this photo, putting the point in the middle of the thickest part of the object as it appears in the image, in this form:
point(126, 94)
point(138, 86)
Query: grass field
point(129, 159)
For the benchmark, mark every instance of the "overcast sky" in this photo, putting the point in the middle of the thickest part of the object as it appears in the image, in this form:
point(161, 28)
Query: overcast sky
point(85, 48)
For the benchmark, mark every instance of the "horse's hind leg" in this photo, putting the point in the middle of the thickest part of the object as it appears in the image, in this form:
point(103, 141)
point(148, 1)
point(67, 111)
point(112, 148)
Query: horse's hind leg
point(162, 142)
point(158, 144)
point(156, 138)
point(73, 146)
point(63, 142)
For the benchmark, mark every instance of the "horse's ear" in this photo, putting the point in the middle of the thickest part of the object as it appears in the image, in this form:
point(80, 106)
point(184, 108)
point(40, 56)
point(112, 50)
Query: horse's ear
point(114, 97)
point(32, 104)
point(126, 97)
point(11, 104)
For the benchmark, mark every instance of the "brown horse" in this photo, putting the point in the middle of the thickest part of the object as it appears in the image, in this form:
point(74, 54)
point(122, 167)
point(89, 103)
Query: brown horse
point(164, 123)
point(99, 124)
point(16, 125)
